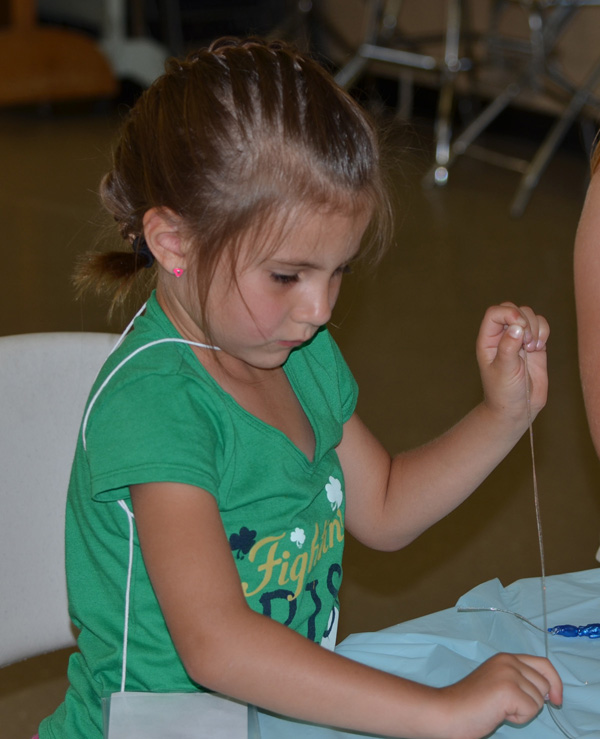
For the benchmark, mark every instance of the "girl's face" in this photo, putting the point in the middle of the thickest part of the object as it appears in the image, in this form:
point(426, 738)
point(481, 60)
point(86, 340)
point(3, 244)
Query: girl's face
point(280, 297)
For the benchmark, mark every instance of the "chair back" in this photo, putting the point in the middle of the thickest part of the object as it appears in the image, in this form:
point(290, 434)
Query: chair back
point(44, 383)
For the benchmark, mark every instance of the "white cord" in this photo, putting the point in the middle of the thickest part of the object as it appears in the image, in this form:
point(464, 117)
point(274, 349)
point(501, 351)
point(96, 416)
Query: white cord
point(130, 517)
point(123, 362)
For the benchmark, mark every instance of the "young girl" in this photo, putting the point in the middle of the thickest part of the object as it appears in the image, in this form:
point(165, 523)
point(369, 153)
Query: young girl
point(225, 421)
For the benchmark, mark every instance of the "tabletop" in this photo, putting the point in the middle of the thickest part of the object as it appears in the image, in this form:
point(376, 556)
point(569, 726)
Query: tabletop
point(441, 648)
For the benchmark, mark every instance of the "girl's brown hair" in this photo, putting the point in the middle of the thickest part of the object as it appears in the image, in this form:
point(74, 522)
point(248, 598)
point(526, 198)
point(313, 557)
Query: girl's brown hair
point(226, 139)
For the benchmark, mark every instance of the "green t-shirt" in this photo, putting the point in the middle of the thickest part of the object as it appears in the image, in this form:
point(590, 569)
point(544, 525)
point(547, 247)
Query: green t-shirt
point(162, 417)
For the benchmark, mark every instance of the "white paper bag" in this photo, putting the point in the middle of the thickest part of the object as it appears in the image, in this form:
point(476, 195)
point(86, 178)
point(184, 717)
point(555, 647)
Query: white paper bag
point(175, 716)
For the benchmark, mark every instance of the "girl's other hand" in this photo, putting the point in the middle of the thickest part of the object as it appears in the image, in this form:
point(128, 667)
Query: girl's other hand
point(506, 334)
point(508, 687)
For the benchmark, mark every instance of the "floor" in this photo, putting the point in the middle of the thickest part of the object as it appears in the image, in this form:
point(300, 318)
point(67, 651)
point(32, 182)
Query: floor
point(407, 331)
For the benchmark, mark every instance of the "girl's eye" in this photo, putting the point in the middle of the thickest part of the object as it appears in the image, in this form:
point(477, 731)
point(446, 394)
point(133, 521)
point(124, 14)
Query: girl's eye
point(284, 279)
point(346, 269)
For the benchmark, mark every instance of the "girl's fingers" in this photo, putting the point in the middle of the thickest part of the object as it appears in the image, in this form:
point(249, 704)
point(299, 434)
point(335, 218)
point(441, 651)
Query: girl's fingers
point(544, 677)
point(499, 319)
point(543, 332)
point(538, 330)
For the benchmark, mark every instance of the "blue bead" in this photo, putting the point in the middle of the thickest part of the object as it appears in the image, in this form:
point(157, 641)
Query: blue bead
point(591, 630)
point(564, 630)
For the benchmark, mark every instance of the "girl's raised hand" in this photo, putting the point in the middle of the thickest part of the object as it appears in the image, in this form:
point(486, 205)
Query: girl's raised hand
point(506, 334)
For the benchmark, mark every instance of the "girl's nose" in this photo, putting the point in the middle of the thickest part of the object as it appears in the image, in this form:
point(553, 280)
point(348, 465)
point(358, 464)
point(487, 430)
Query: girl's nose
point(315, 308)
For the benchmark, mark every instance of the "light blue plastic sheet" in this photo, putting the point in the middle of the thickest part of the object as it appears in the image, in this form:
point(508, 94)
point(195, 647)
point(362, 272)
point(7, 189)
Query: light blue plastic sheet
point(443, 647)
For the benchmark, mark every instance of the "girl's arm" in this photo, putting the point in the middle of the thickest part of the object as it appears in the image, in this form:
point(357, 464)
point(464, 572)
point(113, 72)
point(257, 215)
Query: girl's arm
point(587, 299)
point(227, 647)
point(389, 502)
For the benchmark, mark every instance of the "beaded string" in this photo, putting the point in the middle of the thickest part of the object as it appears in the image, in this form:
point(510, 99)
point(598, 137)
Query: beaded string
point(538, 517)
point(558, 629)
point(538, 520)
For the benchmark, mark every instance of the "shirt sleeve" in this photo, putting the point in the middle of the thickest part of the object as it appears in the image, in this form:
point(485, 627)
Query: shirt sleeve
point(347, 384)
point(154, 427)
point(321, 371)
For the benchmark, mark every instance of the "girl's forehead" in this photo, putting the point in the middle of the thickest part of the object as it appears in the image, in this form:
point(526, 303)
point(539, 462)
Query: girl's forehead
point(307, 235)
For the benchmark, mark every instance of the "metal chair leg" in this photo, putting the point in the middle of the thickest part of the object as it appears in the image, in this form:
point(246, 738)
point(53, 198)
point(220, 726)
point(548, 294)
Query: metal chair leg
point(551, 143)
point(451, 67)
point(374, 48)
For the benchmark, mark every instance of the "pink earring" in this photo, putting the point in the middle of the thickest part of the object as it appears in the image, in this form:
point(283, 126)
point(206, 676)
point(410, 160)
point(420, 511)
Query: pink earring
point(178, 271)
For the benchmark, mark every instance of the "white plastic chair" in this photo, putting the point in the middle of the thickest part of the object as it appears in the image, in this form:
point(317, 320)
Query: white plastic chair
point(44, 382)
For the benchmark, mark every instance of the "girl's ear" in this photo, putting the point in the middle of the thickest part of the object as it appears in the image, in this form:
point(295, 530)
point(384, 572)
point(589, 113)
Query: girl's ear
point(164, 239)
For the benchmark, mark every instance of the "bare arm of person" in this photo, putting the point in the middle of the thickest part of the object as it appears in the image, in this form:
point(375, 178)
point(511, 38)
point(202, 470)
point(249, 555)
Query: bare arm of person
point(389, 502)
point(227, 647)
point(587, 300)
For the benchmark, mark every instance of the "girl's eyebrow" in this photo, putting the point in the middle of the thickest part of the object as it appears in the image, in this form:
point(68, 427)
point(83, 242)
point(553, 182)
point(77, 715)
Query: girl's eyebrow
point(305, 264)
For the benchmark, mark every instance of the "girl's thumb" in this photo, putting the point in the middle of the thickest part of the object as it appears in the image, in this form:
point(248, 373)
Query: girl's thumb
point(510, 343)
point(516, 331)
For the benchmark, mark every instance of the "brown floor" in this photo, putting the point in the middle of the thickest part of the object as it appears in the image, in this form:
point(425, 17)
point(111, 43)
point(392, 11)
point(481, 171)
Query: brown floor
point(408, 333)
